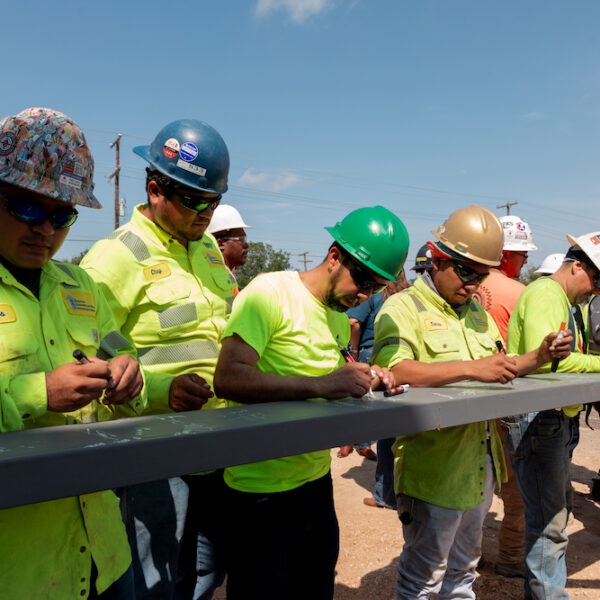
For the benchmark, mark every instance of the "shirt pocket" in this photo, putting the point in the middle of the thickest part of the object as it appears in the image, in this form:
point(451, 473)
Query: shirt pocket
point(18, 350)
point(442, 346)
point(84, 337)
point(481, 344)
point(174, 312)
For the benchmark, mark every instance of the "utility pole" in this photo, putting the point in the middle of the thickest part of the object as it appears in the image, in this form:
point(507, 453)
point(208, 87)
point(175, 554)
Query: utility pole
point(116, 144)
point(507, 206)
point(303, 260)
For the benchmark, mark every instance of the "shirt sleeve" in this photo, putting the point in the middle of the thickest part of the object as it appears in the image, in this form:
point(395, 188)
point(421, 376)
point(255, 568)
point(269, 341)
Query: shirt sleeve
point(255, 314)
point(361, 312)
point(396, 335)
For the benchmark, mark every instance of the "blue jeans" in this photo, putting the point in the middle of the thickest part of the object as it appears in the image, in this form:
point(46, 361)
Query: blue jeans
point(442, 547)
point(172, 556)
point(538, 445)
point(384, 474)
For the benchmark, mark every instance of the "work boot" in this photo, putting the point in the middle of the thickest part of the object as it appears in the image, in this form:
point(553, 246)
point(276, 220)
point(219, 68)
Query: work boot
point(510, 569)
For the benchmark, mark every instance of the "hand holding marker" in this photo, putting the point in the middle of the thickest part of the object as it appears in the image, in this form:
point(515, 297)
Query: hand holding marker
point(80, 357)
point(501, 350)
point(560, 336)
point(395, 391)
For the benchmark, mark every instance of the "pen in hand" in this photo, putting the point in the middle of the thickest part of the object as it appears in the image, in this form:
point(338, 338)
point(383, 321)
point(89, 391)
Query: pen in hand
point(501, 350)
point(560, 336)
point(79, 355)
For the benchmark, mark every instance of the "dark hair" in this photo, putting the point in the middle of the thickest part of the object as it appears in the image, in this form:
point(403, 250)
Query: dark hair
point(576, 253)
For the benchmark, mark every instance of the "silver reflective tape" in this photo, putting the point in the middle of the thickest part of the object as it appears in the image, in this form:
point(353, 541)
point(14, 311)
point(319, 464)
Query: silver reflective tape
point(110, 344)
point(395, 341)
point(136, 245)
point(418, 304)
point(177, 315)
point(177, 353)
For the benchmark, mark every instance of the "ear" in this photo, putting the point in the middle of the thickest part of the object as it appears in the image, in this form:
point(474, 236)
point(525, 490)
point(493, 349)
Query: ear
point(334, 257)
point(154, 192)
point(221, 244)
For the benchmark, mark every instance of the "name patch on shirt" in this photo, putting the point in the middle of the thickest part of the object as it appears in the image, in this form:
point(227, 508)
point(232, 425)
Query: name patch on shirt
point(435, 324)
point(213, 258)
point(156, 272)
point(7, 314)
point(80, 303)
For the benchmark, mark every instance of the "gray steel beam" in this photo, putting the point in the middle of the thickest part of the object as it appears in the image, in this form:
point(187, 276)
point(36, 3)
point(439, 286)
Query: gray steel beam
point(54, 462)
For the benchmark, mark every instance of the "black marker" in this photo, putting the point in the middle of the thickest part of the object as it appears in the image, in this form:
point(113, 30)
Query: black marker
point(346, 354)
point(395, 391)
point(79, 355)
point(560, 336)
point(501, 350)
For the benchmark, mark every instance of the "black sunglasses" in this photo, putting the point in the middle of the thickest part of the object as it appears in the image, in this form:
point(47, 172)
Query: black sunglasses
point(466, 274)
point(362, 277)
point(35, 215)
point(195, 203)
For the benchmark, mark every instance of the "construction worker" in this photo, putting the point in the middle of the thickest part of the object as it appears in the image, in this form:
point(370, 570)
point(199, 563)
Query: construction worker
point(170, 292)
point(285, 340)
point(498, 294)
point(72, 547)
point(551, 264)
point(434, 334)
point(228, 227)
point(539, 442)
point(423, 260)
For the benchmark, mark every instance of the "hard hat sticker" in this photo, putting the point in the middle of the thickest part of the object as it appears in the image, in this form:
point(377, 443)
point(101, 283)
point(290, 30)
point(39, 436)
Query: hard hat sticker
point(171, 148)
point(8, 141)
point(190, 167)
point(70, 180)
point(595, 240)
point(188, 151)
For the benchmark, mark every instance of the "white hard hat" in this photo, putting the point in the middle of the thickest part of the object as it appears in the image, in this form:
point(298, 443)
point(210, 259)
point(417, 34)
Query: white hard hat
point(517, 234)
point(551, 264)
point(589, 244)
point(226, 217)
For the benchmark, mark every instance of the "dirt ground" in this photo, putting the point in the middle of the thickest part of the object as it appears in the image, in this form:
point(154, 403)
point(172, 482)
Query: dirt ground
point(371, 538)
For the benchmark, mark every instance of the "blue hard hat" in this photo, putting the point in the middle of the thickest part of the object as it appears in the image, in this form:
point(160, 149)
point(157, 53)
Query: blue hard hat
point(190, 152)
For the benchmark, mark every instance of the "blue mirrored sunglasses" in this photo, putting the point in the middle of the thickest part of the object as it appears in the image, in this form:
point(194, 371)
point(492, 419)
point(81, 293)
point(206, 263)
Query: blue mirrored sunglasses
point(35, 215)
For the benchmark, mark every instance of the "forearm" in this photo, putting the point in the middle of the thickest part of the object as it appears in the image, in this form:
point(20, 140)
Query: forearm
point(420, 374)
point(526, 363)
point(251, 386)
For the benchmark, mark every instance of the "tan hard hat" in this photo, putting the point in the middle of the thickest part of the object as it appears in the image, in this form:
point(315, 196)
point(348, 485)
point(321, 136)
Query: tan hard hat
point(475, 233)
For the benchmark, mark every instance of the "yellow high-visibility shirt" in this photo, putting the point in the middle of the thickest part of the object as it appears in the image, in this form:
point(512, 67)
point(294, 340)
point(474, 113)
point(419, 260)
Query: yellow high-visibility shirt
point(293, 334)
point(172, 302)
point(46, 549)
point(446, 467)
point(542, 308)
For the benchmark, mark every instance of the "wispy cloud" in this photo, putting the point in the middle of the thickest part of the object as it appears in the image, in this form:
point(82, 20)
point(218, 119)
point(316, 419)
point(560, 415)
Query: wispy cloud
point(534, 115)
point(297, 10)
point(272, 182)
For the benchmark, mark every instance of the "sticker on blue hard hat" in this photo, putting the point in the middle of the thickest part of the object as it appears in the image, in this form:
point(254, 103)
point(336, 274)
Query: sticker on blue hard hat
point(191, 168)
point(171, 148)
point(188, 151)
point(8, 141)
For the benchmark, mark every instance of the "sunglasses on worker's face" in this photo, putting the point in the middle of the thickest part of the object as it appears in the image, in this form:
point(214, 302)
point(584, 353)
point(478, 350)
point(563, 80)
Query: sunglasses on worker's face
point(196, 203)
point(467, 274)
point(362, 277)
point(33, 214)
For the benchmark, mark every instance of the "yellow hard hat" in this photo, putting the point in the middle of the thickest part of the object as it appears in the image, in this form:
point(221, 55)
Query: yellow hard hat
point(473, 233)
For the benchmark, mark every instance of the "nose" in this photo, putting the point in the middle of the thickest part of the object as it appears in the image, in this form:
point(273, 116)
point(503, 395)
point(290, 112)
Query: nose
point(46, 229)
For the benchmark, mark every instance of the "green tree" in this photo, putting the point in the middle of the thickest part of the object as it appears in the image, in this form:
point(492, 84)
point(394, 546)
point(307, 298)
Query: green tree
point(262, 258)
point(75, 260)
point(528, 275)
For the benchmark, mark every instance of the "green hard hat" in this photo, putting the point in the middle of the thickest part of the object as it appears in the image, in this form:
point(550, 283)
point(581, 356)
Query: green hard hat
point(375, 237)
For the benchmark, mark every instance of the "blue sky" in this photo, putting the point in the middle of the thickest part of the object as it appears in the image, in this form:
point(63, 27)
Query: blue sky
point(329, 105)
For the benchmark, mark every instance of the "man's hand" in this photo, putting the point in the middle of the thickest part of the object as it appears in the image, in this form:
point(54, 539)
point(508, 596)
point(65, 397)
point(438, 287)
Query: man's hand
point(74, 385)
point(497, 368)
point(126, 380)
point(551, 346)
point(353, 379)
point(188, 392)
point(383, 379)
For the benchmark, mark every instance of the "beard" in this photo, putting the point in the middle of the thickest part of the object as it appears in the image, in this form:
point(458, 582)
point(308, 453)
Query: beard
point(331, 299)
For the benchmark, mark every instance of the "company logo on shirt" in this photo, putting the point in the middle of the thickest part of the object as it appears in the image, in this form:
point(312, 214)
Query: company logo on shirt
point(480, 321)
point(80, 303)
point(213, 258)
point(156, 272)
point(7, 314)
point(435, 324)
